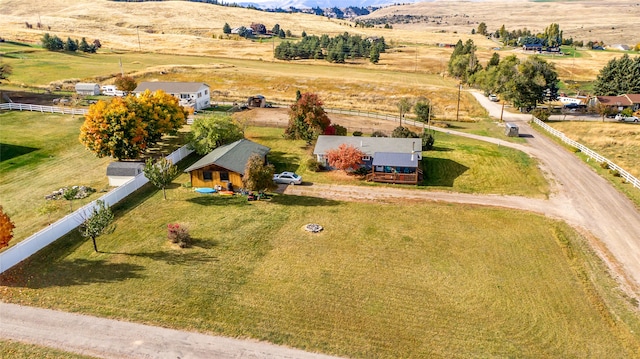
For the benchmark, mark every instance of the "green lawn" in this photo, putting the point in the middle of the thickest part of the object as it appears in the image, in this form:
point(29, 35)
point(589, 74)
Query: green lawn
point(41, 153)
point(17, 350)
point(456, 164)
point(382, 280)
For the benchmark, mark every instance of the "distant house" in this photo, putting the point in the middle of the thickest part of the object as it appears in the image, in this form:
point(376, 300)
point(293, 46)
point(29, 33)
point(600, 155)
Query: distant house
point(120, 173)
point(635, 101)
point(532, 47)
point(621, 47)
point(90, 89)
point(391, 160)
point(618, 103)
point(224, 166)
point(190, 94)
point(257, 101)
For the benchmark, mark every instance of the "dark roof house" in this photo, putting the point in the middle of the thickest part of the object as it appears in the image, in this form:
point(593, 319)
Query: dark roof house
point(225, 164)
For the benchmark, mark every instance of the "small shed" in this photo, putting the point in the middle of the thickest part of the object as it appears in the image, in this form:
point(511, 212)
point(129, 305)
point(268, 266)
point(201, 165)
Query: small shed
point(120, 173)
point(511, 130)
point(257, 101)
point(91, 89)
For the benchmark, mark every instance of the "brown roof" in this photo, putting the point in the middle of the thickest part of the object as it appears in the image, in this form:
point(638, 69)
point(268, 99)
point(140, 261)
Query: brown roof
point(633, 97)
point(614, 100)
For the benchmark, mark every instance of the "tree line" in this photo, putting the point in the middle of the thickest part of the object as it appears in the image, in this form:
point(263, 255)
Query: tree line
point(333, 49)
point(54, 43)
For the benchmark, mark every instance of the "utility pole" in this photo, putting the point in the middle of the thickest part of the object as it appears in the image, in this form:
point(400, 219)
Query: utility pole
point(502, 112)
point(458, 109)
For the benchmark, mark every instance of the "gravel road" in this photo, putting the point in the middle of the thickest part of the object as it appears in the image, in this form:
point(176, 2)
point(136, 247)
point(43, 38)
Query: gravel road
point(579, 196)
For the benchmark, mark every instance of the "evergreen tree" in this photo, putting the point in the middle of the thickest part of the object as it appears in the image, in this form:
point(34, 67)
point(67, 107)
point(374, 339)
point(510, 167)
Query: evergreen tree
point(619, 76)
point(226, 28)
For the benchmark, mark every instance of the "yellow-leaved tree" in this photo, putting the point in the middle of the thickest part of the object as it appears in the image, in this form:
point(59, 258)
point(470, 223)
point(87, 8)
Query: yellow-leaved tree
point(125, 127)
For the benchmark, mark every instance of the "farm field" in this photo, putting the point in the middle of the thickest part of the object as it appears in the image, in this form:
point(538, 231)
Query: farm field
point(498, 283)
point(619, 142)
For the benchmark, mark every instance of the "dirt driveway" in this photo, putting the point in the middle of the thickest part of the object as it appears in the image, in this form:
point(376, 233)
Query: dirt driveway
point(579, 196)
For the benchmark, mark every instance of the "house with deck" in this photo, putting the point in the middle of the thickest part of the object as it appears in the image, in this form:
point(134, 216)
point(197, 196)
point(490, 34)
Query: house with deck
point(390, 160)
point(190, 94)
point(224, 166)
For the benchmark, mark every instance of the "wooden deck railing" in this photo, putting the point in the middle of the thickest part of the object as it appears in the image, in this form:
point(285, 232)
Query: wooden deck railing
point(399, 178)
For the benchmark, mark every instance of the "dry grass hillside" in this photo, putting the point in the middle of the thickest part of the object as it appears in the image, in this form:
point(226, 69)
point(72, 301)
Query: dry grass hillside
point(611, 21)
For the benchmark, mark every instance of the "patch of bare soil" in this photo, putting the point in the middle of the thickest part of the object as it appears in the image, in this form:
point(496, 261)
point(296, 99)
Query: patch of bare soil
point(32, 98)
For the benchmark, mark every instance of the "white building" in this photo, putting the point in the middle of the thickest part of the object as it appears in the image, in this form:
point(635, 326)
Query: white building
point(90, 89)
point(190, 94)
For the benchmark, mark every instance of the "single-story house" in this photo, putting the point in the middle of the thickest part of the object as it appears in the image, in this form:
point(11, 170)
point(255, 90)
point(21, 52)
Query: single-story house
point(191, 94)
point(393, 160)
point(120, 173)
point(257, 101)
point(91, 89)
point(224, 166)
point(621, 47)
point(635, 101)
point(532, 47)
point(619, 103)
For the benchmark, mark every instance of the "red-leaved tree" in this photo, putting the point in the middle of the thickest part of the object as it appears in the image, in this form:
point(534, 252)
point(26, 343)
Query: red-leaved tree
point(345, 157)
point(6, 229)
point(307, 118)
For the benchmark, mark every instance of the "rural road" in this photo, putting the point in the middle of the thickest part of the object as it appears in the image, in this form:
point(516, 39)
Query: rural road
point(579, 196)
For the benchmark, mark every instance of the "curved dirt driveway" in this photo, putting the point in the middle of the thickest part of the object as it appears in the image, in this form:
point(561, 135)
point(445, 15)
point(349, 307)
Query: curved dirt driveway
point(579, 196)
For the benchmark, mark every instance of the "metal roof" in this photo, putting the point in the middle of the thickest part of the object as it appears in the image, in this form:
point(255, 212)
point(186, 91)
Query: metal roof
point(233, 156)
point(124, 168)
point(171, 87)
point(369, 145)
point(395, 159)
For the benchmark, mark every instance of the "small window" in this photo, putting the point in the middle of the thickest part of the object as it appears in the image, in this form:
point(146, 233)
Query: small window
point(206, 92)
point(224, 176)
point(184, 95)
point(366, 158)
point(207, 175)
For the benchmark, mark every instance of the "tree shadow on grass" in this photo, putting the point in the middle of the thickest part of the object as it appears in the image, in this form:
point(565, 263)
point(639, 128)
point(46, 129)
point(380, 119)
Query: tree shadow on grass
point(218, 200)
point(72, 272)
point(8, 152)
point(283, 161)
point(441, 172)
point(175, 257)
point(303, 201)
point(441, 149)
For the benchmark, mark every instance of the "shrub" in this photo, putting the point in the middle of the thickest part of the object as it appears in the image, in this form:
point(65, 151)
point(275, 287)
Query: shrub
point(357, 133)
point(403, 132)
point(340, 130)
point(604, 165)
point(541, 114)
point(178, 234)
point(313, 165)
point(615, 173)
point(361, 171)
point(378, 133)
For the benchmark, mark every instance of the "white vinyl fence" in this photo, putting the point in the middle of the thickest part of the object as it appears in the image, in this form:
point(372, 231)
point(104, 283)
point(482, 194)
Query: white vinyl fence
point(43, 109)
point(43, 238)
point(589, 152)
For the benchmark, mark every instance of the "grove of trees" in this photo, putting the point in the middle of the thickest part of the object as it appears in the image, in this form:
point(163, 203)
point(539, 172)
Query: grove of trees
point(463, 62)
point(54, 43)
point(336, 49)
point(619, 76)
point(125, 127)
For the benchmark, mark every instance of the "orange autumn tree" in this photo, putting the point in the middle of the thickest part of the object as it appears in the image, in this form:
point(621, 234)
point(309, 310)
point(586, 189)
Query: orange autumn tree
point(6, 229)
point(345, 157)
point(307, 118)
point(125, 127)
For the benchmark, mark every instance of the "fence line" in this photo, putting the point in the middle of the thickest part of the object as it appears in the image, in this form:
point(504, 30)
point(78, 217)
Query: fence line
point(589, 152)
point(43, 109)
point(48, 235)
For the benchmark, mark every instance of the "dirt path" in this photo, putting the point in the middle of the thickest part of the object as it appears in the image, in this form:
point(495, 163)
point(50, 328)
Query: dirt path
point(107, 338)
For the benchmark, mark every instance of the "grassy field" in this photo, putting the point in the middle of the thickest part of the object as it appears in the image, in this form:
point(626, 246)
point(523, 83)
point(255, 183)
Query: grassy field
point(619, 142)
point(41, 153)
point(446, 281)
point(456, 164)
point(16, 350)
